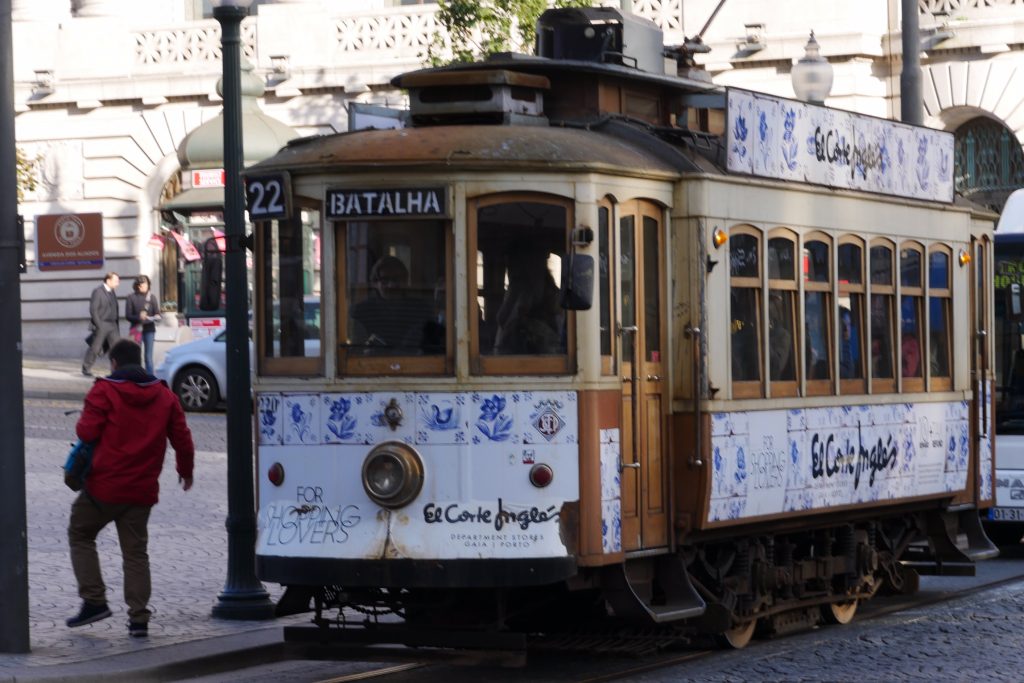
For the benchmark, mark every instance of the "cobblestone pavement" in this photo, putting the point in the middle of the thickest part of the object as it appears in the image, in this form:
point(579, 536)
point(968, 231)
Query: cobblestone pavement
point(188, 546)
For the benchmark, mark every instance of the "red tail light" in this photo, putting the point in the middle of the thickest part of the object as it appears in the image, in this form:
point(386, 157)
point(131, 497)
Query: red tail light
point(276, 474)
point(541, 475)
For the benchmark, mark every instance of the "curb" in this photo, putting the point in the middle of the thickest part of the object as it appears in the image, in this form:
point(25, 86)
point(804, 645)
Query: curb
point(56, 395)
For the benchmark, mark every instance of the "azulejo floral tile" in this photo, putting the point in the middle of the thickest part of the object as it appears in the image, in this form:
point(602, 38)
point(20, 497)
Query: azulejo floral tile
point(269, 419)
point(302, 419)
point(492, 419)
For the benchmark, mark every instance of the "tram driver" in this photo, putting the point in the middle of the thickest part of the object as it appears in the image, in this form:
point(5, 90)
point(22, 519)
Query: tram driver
point(530, 318)
point(392, 316)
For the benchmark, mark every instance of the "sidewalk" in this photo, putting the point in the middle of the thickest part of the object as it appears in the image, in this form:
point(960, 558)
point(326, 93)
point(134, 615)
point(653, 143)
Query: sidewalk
point(188, 554)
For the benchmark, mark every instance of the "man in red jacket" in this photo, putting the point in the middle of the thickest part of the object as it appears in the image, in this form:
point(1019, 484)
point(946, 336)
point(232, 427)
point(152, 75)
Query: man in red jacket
point(129, 415)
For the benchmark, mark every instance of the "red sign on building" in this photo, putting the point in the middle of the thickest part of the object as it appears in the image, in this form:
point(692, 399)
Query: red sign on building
point(69, 241)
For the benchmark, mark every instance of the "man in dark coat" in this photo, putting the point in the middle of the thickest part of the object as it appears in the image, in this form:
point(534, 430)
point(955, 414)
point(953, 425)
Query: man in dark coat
point(103, 320)
point(129, 416)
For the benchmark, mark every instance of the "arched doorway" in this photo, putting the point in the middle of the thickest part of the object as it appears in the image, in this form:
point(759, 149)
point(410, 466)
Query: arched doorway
point(989, 163)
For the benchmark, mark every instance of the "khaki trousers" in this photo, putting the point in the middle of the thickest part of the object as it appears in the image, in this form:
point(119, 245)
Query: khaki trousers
point(88, 517)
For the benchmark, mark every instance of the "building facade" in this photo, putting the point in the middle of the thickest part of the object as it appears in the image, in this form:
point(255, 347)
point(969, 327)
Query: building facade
point(117, 103)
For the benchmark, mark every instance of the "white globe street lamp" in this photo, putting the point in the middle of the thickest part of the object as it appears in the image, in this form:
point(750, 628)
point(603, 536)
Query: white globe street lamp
point(812, 74)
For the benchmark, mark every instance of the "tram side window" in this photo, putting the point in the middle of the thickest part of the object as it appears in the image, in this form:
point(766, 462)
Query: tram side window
point(745, 305)
point(290, 314)
point(396, 292)
point(818, 314)
point(940, 298)
point(520, 245)
point(782, 329)
point(851, 316)
point(911, 317)
point(604, 283)
point(883, 293)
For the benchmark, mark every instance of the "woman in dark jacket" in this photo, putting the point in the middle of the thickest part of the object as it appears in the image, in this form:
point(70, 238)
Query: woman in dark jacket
point(141, 309)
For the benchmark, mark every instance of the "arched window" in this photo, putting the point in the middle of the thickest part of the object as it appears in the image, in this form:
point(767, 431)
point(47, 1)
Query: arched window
point(988, 162)
point(852, 375)
point(745, 306)
point(818, 348)
point(883, 294)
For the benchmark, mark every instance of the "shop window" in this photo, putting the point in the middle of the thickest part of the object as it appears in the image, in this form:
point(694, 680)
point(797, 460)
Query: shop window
point(940, 298)
point(883, 294)
point(519, 326)
point(289, 322)
point(395, 315)
point(818, 348)
point(746, 350)
point(852, 374)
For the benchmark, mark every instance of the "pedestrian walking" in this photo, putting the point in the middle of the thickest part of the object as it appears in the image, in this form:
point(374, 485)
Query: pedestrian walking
point(142, 312)
point(103, 323)
point(129, 416)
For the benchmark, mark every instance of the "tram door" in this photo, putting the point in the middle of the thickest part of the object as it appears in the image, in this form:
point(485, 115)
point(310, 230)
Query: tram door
point(981, 406)
point(641, 329)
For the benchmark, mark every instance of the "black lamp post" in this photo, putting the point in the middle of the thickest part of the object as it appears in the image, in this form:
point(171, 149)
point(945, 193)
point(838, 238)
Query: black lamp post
point(243, 596)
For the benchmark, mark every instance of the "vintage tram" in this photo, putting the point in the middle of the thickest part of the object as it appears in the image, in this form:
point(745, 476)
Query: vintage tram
point(602, 339)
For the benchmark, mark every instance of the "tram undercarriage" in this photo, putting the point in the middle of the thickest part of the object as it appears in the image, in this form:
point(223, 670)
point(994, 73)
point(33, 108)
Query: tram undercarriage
point(768, 584)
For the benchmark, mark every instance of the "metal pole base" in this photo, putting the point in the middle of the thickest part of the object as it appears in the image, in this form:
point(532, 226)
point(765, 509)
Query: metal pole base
point(244, 605)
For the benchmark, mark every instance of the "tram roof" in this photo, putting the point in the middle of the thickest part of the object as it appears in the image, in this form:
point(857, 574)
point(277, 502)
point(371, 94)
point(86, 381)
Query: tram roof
point(612, 146)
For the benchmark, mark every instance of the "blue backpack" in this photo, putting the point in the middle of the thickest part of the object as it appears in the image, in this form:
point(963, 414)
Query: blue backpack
point(76, 467)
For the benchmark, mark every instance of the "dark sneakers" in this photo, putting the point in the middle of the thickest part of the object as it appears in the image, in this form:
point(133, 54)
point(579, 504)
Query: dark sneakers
point(138, 629)
point(88, 614)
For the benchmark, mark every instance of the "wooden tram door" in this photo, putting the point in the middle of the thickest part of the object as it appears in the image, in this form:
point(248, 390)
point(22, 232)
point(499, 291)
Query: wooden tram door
point(641, 328)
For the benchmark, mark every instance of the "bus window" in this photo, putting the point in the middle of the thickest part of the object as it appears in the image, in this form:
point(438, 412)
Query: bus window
point(851, 317)
point(289, 333)
point(911, 318)
point(520, 244)
point(940, 298)
point(745, 305)
point(882, 331)
point(817, 267)
point(396, 296)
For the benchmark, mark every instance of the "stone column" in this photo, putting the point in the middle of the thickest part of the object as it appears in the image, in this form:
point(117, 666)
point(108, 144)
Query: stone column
point(40, 10)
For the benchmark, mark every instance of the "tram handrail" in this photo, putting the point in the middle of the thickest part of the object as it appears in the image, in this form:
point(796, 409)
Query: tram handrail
point(694, 333)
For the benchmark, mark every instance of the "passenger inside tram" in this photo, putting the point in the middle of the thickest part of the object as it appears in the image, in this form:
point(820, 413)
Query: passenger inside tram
point(530, 318)
point(392, 316)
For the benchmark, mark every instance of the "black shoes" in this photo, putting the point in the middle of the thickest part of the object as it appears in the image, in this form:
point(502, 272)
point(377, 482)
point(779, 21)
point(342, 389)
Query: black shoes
point(88, 614)
point(85, 372)
point(138, 629)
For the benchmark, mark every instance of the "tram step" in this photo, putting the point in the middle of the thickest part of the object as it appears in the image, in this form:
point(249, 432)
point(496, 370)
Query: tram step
point(624, 590)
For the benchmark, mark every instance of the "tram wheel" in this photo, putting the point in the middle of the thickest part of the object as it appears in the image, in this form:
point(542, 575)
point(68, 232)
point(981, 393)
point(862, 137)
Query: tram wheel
point(738, 636)
point(840, 612)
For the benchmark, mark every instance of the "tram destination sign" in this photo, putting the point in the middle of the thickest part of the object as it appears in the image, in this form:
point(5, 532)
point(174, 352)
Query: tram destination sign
point(785, 139)
point(402, 202)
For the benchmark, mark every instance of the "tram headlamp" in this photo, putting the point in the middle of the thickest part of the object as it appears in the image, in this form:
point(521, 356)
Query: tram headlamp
point(392, 474)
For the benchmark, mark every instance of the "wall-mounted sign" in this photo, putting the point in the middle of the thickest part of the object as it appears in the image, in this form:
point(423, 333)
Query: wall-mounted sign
point(69, 241)
point(790, 140)
point(405, 202)
point(208, 177)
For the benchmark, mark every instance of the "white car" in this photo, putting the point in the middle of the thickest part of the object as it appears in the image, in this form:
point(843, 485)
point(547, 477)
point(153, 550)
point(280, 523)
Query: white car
point(197, 372)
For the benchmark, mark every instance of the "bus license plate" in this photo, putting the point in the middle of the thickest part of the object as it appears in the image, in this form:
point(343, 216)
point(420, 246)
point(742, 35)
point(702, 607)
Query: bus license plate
point(1006, 514)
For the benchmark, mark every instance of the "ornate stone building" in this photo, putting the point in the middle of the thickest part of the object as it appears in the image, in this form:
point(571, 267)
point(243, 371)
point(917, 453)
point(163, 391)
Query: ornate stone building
point(112, 95)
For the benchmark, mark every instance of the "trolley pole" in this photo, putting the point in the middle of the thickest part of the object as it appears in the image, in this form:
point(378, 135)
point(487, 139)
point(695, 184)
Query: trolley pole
point(14, 541)
point(243, 596)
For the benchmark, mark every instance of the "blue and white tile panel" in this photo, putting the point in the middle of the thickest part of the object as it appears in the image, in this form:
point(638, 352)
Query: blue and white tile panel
point(477, 450)
point(611, 492)
point(775, 461)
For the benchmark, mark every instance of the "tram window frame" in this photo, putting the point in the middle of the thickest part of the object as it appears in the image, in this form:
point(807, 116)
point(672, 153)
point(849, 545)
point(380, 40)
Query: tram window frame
point(882, 300)
point(820, 288)
point(519, 363)
point(268, 326)
point(912, 291)
point(851, 281)
point(606, 258)
point(941, 298)
point(393, 239)
point(781, 315)
point(752, 285)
